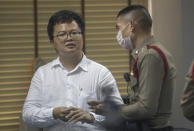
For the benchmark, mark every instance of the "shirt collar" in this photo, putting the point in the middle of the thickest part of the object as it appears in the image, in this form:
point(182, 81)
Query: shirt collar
point(82, 65)
point(56, 63)
point(146, 42)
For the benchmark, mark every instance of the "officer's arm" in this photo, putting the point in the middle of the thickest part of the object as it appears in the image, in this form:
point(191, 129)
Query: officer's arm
point(107, 88)
point(188, 96)
point(151, 73)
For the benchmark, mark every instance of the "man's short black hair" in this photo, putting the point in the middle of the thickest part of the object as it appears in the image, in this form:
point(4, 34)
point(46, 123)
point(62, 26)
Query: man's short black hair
point(140, 13)
point(64, 16)
point(129, 9)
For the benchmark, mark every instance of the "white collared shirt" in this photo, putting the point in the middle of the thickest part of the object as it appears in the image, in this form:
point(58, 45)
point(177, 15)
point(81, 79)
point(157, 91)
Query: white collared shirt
point(52, 86)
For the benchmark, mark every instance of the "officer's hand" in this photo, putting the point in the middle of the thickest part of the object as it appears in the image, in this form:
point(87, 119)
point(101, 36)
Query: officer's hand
point(61, 112)
point(77, 114)
point(96, 107)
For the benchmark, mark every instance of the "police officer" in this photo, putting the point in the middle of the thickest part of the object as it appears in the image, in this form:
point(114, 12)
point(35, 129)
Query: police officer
point(152, 72)
point(187, 101)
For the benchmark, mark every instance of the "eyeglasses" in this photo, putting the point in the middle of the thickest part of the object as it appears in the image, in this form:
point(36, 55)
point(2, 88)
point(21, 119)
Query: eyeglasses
point(64, 35)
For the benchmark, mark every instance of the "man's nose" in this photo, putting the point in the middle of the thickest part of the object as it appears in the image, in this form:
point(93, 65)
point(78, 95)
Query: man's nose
point(69, 37)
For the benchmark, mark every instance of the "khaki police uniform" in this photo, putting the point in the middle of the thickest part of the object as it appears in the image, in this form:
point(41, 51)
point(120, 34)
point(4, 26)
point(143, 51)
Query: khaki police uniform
point(151, 93)
point(187, 101)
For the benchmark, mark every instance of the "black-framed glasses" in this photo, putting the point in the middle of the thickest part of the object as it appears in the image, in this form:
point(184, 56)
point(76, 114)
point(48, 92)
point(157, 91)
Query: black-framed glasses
point(64, 35)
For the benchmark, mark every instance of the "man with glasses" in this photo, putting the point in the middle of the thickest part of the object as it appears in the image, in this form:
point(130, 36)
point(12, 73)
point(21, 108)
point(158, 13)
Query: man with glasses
point(59, 91)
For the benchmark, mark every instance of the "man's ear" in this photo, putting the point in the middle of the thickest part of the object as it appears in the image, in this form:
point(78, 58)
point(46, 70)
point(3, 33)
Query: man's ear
point(132, 25)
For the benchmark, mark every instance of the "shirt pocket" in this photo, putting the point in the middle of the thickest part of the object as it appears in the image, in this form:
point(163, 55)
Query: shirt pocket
point(87, 96)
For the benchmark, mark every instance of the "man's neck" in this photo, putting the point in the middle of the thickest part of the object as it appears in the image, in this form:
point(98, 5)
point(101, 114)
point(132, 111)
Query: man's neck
point(140, 40)
point(70, 61)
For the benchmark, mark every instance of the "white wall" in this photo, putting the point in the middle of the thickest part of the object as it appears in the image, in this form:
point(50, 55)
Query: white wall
point(188, 32)
point(174, 28)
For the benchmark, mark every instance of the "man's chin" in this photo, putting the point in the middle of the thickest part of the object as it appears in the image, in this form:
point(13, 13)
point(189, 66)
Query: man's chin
point(70, 52)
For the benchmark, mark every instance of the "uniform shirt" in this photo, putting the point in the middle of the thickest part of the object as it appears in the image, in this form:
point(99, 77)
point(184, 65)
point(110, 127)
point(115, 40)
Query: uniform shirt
point(52, 86)
point(151, 95)
point(187, 101)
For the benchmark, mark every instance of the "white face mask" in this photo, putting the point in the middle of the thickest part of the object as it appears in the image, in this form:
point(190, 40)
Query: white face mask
point(124, 42)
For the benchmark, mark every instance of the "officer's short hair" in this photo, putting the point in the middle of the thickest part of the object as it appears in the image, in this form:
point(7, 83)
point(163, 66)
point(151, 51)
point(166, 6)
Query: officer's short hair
point(140, 14)
point(64, 16)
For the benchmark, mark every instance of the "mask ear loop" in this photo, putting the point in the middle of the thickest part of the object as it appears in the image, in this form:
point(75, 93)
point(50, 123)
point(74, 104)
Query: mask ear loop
point(125, 27)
